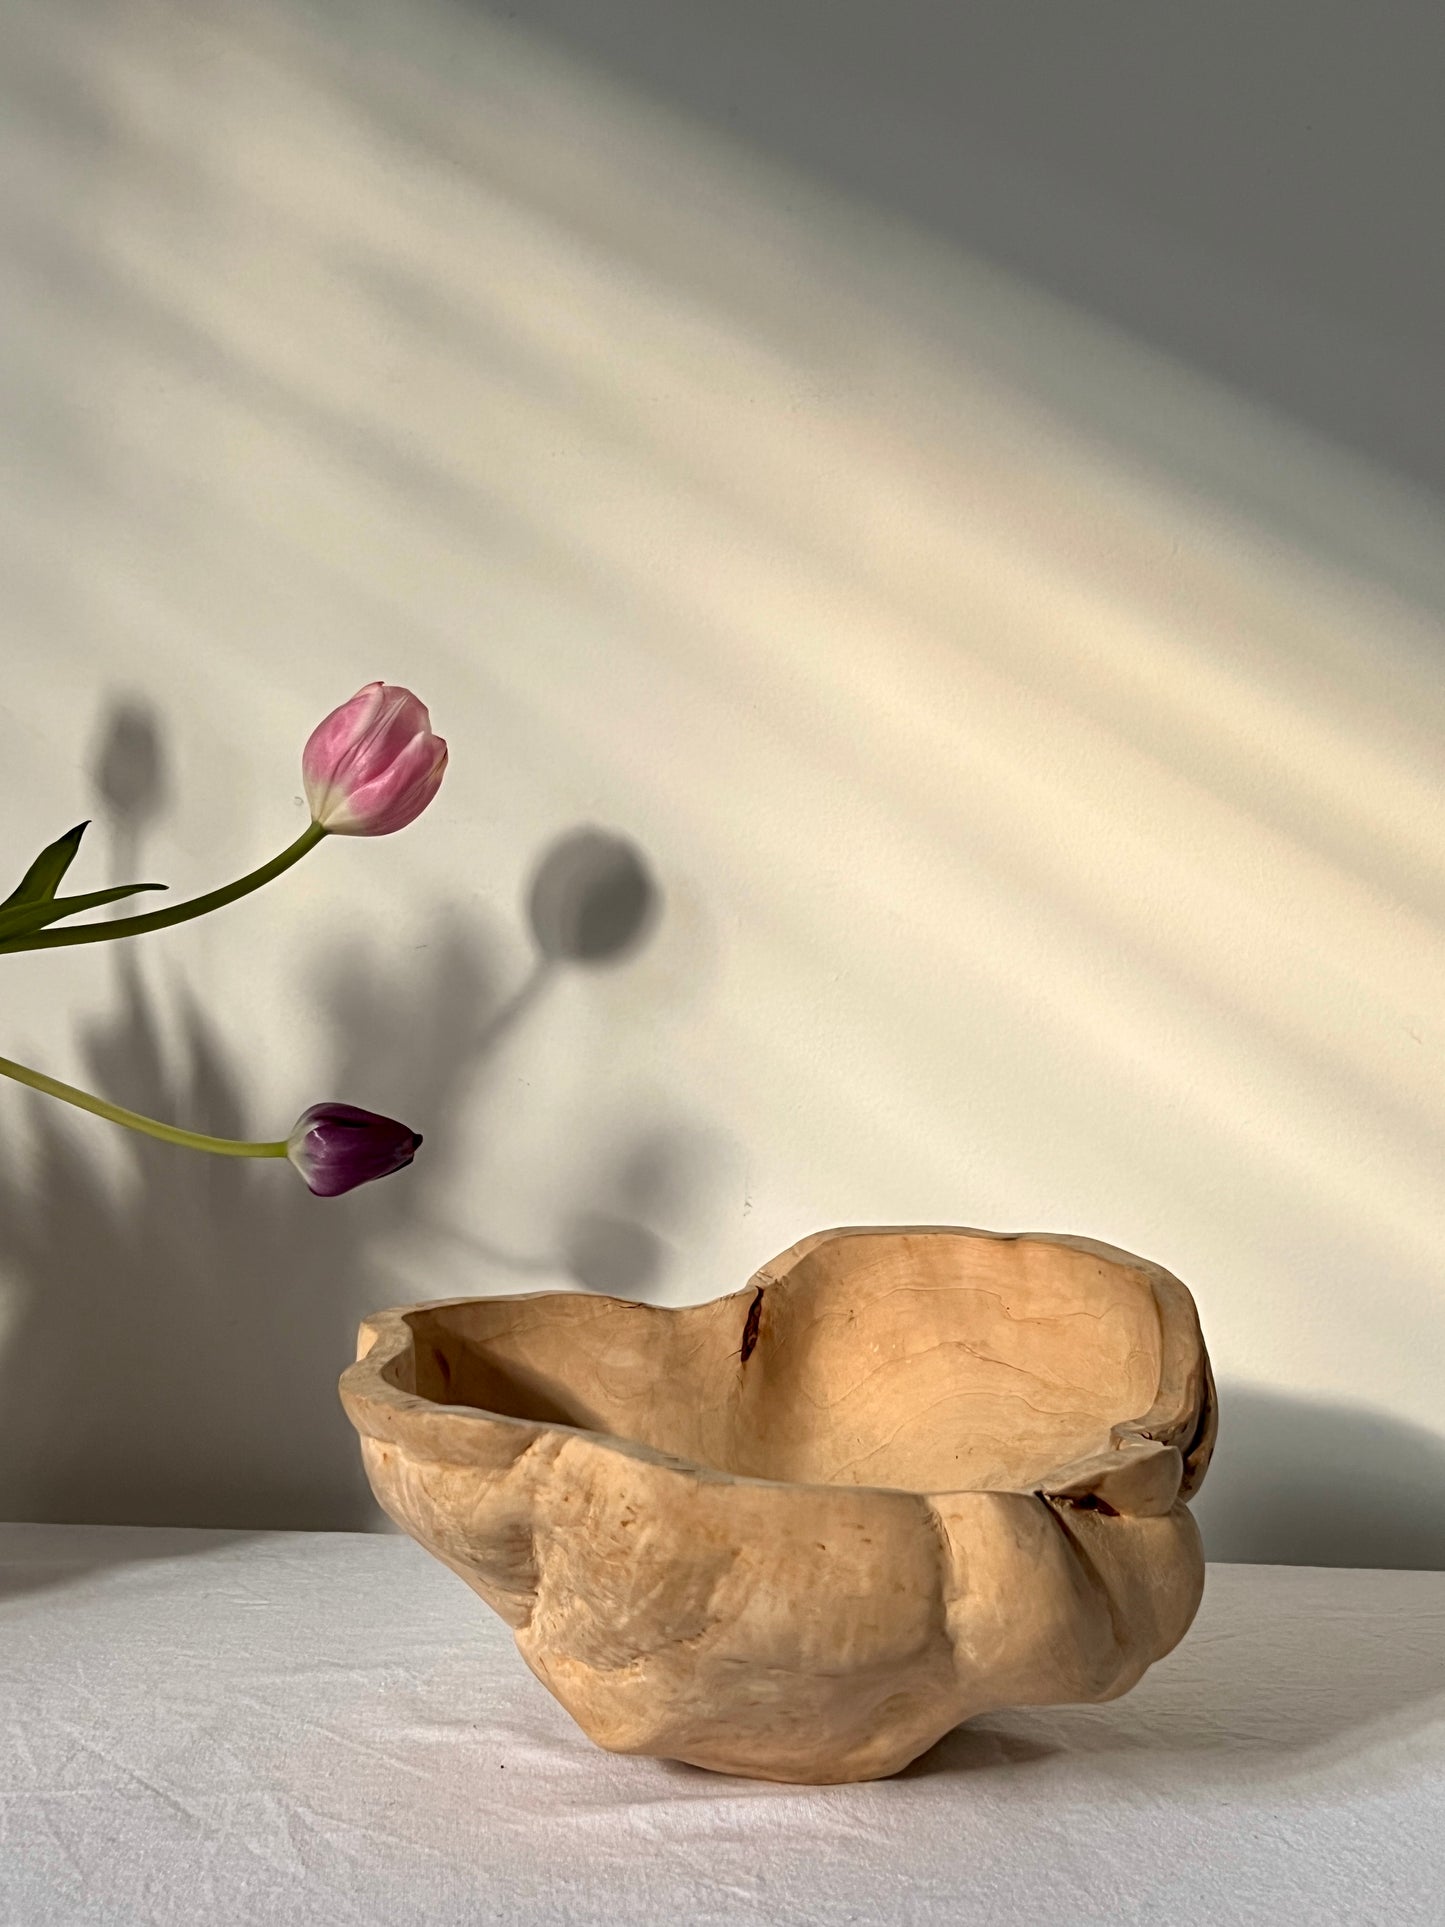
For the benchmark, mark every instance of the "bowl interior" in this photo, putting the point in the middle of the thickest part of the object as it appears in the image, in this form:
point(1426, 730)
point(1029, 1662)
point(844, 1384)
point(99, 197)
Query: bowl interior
point(930, 1361)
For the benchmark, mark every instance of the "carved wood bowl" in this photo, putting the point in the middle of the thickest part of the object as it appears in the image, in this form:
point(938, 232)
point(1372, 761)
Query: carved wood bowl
point(902, 1478)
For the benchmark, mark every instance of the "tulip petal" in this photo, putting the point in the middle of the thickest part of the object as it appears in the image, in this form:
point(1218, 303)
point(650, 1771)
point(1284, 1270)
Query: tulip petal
point(335, 735)
point(399, 793)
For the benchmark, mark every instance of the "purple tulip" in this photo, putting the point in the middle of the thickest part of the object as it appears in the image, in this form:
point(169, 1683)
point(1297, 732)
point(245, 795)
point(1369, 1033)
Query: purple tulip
point(373, 765)
point(335, 1147)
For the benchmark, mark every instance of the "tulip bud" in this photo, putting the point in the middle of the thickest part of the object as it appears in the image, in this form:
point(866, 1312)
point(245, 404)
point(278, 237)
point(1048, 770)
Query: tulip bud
point(373, 764)
point(335, 1147)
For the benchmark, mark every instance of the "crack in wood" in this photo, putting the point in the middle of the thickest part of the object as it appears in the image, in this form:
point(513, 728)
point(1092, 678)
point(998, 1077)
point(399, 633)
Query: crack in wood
point(751, 1327)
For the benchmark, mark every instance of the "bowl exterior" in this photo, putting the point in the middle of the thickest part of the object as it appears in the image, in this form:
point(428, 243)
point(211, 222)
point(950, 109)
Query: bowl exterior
point(790, 1632)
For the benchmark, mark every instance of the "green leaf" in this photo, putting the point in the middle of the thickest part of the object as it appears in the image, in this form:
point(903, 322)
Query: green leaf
point(23, 919)
point(42, 879)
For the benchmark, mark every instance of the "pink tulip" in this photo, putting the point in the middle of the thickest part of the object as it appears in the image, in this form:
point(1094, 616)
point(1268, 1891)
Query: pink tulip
point(335, 1147)
point(374, 764)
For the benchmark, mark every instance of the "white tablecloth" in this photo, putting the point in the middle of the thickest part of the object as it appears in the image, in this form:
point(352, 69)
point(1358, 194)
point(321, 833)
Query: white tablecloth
point(215, 1729)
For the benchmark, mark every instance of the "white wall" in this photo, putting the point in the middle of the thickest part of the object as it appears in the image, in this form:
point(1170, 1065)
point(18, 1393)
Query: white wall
point(967, 519)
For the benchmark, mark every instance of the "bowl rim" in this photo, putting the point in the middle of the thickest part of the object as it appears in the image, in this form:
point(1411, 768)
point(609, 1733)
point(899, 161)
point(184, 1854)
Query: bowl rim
point(1147, 1465)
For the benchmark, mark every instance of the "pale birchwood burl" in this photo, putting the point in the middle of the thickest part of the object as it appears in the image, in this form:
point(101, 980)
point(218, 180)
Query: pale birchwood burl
point(902, 1478)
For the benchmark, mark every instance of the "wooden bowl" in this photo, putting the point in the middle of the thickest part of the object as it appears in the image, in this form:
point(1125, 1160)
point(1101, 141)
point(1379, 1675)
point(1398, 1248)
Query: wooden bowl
point(902, 1478)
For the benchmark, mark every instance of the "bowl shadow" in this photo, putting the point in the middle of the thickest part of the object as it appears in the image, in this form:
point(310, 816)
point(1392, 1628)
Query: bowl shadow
point(1285, 1671)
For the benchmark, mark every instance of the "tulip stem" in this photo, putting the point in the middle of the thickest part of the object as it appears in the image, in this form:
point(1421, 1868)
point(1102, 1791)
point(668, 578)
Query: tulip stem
point(176, 913)
point(226, 1147)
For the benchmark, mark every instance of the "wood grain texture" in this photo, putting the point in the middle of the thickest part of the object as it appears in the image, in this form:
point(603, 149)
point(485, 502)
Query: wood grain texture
point(905, 1476)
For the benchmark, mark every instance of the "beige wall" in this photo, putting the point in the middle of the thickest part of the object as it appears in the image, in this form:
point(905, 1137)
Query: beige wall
point(1031, 738)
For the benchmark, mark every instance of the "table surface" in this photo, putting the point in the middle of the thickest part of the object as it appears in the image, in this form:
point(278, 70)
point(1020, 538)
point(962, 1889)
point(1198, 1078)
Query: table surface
point(329, 1727)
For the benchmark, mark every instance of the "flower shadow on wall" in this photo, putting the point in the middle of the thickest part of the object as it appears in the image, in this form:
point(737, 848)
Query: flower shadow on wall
point(172, 1350)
